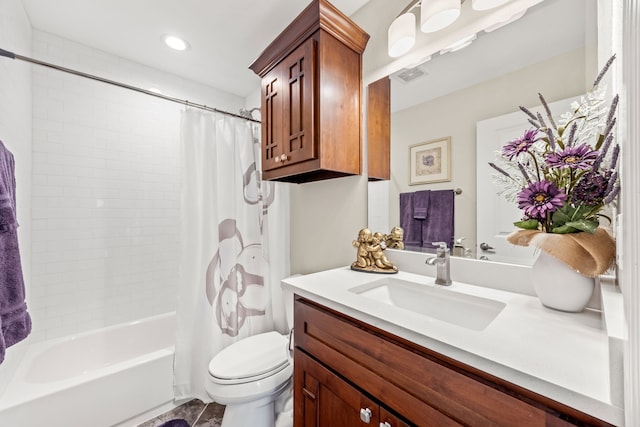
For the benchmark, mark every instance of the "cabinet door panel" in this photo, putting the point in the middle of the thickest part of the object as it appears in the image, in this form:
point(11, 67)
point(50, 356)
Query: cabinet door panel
point(299, 127)
point(321, 398)
point(272, 100)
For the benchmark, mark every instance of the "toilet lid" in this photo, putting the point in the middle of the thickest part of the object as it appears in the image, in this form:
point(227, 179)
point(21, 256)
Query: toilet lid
point(255, 356)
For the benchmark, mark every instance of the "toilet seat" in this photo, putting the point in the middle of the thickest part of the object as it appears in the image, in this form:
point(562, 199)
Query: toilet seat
point(250, 359)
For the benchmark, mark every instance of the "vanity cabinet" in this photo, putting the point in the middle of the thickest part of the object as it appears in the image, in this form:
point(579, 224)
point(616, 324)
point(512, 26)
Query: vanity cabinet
point(328, 400)
point(343, 366)
point(311, 97)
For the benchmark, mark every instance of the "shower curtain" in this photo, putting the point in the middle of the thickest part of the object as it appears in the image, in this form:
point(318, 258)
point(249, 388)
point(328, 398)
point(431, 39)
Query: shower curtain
point(235, 245)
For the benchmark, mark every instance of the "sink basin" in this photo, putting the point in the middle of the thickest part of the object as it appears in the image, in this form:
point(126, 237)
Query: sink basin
point(468, 311)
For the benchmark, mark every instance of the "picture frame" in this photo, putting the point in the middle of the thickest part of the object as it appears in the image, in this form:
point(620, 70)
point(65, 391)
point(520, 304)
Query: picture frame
point(430, 161)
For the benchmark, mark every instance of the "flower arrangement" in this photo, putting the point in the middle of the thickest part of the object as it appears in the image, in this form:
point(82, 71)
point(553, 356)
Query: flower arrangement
point(563, 175)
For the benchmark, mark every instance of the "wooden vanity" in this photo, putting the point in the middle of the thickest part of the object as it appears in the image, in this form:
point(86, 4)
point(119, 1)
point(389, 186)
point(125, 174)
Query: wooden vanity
point(350, 373)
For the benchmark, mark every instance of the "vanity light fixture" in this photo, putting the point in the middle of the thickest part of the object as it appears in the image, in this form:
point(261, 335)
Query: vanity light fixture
point(402, 34)
point(434, 15)
point(438, 14)
point(175, 42)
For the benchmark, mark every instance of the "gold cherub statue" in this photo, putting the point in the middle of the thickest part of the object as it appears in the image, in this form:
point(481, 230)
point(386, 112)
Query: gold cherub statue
point(370, 255)
point(393, 240)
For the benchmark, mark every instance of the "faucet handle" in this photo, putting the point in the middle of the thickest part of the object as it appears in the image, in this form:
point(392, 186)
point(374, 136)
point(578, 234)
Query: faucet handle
point(442, 245)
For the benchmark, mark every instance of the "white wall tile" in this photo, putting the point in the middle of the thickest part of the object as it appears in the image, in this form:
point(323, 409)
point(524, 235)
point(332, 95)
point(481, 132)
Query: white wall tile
point(106, 189)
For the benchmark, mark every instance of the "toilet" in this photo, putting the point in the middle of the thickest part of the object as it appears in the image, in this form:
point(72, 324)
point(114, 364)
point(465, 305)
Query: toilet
point(249, 375)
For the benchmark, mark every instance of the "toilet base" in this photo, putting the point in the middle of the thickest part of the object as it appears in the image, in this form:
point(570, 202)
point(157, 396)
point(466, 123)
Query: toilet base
point(255, 413)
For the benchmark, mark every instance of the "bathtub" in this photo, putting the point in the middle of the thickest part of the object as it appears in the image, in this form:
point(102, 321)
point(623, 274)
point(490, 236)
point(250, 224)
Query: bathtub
point(114, 376)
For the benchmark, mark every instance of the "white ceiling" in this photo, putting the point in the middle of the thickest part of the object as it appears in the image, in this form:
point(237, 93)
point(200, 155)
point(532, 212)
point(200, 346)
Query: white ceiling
point(226, 36)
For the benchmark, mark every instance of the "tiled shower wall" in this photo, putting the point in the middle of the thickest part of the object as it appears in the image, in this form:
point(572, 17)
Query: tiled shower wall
point(106, 190)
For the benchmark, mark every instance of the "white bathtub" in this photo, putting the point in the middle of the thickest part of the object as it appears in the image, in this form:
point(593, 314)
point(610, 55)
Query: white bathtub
point(107, 377)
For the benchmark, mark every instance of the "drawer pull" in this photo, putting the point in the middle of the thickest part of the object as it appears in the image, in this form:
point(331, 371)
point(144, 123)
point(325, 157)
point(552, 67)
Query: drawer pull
point(365, 415)
point(290, 346)
point(309, 394)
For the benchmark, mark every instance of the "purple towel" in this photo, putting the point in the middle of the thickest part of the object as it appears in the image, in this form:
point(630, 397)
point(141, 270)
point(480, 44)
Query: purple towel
point(412, 228)
point(439, 226)
point(421, 204)
point(15, 322)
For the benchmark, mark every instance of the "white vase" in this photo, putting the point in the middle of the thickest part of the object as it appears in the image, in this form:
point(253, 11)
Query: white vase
point(558, 286)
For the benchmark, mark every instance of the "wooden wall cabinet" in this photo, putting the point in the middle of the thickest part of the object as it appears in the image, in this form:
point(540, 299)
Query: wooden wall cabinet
point(311, 97)
point(379, 129)
point(343, 366)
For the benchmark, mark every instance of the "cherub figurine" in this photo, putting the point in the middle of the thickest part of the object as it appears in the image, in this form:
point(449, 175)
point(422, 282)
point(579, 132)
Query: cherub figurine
point(363, 259)
point(375, 252)
point(393, 240)
point(370, 256)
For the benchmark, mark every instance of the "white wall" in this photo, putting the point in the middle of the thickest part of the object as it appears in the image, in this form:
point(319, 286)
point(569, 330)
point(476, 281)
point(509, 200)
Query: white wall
point(325, 218)
point(106, 189)
point(455, 115)
point(15, 133)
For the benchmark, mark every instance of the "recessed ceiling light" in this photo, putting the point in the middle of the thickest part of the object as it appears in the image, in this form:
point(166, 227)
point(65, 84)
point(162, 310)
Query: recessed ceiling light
point(175, 42)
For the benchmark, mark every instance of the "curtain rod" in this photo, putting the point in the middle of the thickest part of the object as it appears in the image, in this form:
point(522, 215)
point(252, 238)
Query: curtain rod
point(13, 55)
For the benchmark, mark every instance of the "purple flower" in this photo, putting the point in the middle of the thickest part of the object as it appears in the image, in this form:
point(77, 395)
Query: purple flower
point(539, 199)
point(520, 145)
point(591, 189)
point(575, 157)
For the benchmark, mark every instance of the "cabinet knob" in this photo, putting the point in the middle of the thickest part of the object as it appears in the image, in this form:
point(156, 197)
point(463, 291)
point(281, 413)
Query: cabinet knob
point(277, 159)
point(365, 415)
point(385, 424)
point(283, 157)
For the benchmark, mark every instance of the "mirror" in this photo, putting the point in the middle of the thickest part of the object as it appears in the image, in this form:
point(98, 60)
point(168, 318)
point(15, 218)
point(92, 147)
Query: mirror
point(551, 49)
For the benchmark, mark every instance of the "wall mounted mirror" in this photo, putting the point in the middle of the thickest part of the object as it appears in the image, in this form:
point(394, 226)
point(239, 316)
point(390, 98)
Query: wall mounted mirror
point(551, 49)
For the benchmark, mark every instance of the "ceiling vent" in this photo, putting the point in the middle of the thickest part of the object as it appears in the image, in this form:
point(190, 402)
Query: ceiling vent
point(409, 74)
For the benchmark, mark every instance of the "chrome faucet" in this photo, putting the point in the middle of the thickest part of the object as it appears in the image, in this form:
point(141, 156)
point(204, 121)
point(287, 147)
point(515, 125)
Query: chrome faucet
point(441, 261)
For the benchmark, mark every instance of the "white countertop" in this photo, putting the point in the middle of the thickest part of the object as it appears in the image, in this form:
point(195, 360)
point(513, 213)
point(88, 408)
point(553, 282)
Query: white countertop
point(564, 356)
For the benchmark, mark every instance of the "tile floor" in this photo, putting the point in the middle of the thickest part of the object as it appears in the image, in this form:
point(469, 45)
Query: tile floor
point(195, 412)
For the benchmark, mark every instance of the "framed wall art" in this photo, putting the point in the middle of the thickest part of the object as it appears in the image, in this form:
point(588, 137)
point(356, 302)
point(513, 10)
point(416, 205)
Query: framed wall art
point(430, 161)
